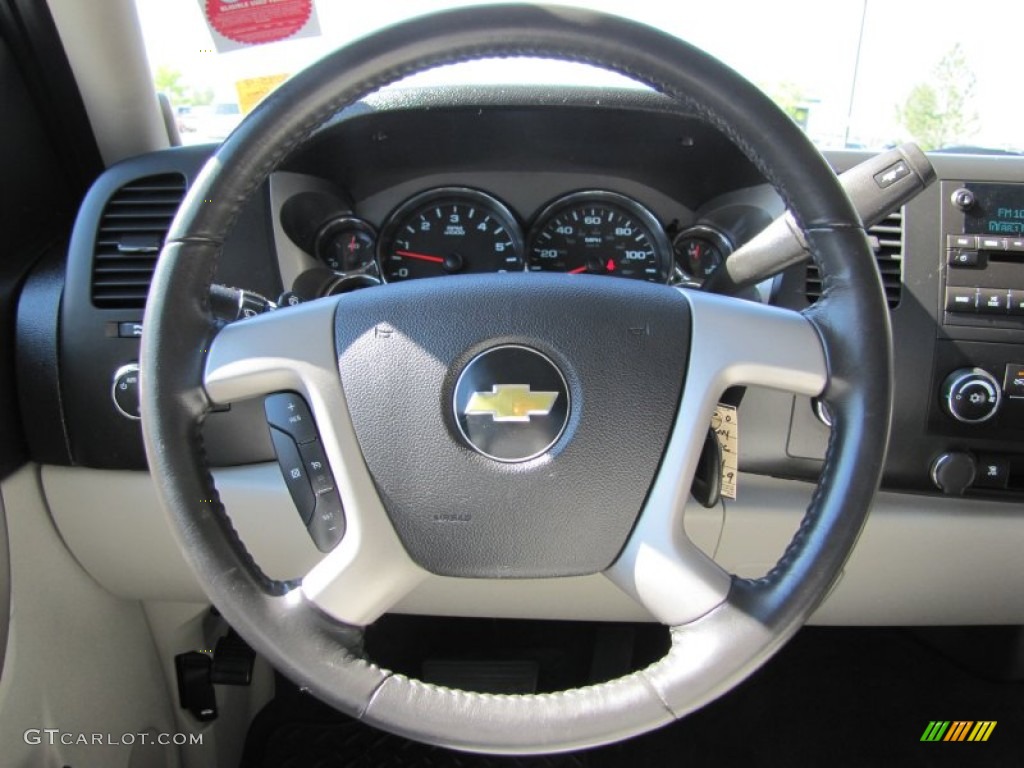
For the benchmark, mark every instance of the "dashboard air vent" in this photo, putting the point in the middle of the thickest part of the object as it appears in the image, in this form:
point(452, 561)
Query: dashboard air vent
point(131, 233)
point(887, 240)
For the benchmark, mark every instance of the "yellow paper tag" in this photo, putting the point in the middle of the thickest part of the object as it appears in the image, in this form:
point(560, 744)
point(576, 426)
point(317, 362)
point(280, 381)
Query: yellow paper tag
point(726, 424)
point(252, 90)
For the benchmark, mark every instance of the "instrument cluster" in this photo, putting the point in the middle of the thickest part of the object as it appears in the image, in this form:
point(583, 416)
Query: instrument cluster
point(460, 230)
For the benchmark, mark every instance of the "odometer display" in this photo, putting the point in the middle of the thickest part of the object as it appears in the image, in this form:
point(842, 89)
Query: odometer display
point(600, 233)
point(450, 231)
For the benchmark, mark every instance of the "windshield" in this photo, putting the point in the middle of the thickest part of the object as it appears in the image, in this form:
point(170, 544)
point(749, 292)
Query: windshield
point(863, 74)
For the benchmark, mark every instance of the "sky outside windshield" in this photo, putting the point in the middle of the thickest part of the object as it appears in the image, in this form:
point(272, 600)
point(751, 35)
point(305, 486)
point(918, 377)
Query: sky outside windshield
point(915, 57)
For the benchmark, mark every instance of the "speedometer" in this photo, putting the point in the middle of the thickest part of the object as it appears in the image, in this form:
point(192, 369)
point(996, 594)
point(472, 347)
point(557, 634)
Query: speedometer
point(449, 231)
point(601, 233)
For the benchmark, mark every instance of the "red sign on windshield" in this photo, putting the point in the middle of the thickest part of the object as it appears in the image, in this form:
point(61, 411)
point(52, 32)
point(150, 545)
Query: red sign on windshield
point(251, 22)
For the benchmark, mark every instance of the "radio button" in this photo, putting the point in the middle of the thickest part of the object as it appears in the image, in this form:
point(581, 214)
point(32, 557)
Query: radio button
point(961, 241)
point(1016, 244)
point(993, 244)
point(1016, 303)
point(961, 299)
point(993, 301)
point(963, 259)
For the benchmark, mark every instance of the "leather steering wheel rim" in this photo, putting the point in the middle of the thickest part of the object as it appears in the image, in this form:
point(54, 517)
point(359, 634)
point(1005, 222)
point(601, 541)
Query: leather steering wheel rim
point(709, 654)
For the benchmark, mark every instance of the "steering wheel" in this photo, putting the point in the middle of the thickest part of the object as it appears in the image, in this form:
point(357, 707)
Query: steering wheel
point(627, 374)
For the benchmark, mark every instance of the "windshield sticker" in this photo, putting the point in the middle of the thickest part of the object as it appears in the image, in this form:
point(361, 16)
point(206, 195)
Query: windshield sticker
point(236, 24)
point(252, 90)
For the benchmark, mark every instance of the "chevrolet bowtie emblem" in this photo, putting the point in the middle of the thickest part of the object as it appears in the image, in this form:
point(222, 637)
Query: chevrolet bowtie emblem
point(511, 402)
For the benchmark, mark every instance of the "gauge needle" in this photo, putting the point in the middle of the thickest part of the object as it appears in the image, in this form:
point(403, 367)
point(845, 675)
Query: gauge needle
point(420, 257)
point(577, 271)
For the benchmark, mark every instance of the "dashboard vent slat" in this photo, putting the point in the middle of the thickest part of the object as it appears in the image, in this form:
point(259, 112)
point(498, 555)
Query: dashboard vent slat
point(887, 241)
point(131, 232)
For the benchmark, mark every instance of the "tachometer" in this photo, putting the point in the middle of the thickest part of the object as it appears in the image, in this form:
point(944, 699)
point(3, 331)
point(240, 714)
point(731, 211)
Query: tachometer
point(601, 233)
point(450, 231)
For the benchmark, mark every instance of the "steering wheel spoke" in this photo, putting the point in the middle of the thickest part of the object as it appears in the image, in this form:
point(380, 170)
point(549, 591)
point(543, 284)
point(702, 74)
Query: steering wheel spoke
point(734, 342)
point(290, 349)
point(293, 349)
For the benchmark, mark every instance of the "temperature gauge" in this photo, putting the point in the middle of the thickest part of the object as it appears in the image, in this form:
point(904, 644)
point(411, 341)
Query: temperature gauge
point(698, 252)
point(347, 245)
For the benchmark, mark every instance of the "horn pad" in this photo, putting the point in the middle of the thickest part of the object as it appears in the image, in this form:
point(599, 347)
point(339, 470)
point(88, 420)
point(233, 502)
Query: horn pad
point(513, 424)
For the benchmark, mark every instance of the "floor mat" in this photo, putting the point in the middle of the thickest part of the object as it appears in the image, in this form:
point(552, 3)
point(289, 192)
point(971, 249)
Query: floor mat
point(845, 698)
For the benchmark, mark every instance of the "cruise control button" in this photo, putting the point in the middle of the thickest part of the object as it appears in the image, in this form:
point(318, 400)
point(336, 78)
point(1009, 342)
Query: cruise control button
point(289, 413)
point(328, 524)
point(961, 299)
point(294, 471)
point(993, 472)
point(316, 467)
point(993, 301)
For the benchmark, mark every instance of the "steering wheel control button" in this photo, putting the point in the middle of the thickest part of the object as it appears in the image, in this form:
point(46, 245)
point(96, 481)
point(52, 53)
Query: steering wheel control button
point(327, 526)
point(317, 470)
point(289, 413)
point(304, 466)
point(511, 403)
point(295, 477)
point(971, 395)
point(125, 391)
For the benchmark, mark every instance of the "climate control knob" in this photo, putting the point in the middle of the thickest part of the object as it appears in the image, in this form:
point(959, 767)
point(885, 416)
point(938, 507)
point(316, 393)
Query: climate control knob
point(971, 395)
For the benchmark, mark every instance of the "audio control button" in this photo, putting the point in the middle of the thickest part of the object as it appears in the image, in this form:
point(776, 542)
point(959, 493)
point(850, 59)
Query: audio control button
point(962, 241)
point(993, 301)
point(963, 259)
point(961, 299)
point(1016, 303)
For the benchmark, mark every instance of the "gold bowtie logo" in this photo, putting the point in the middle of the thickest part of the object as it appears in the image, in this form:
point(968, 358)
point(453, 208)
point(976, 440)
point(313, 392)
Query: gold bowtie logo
point(511, 402)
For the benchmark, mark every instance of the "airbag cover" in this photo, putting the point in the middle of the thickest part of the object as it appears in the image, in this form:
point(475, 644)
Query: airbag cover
point(621, 346)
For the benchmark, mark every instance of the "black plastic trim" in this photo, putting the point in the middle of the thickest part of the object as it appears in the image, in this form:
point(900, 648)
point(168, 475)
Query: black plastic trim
point(28, 29)
point(37, 359)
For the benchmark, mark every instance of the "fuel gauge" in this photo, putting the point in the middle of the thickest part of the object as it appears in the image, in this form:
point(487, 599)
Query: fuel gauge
point(347, 245)
point(699, 251)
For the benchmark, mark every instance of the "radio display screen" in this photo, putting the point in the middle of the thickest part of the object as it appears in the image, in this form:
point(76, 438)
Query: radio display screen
point(998, 210)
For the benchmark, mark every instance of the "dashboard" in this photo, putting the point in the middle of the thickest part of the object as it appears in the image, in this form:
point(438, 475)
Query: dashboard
point(622, 184)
